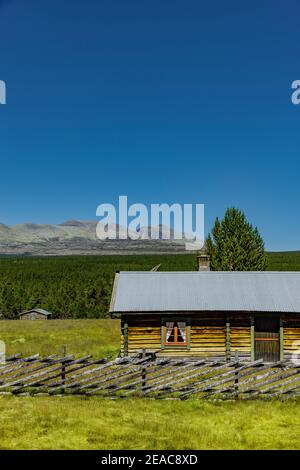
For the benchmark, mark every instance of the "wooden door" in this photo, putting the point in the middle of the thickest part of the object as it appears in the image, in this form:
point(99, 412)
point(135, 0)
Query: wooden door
point(267, 341)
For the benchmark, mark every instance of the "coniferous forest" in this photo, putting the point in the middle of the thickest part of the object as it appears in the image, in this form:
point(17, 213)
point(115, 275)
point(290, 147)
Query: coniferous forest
point(71, 287)
point(80, 286)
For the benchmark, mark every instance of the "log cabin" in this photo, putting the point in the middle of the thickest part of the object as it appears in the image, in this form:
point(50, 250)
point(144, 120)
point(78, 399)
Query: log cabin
point(36, 314)
point(252, 315)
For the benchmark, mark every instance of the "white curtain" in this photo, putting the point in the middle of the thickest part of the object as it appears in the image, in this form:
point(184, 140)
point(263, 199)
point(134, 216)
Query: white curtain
point(169, 326)
point(182, 329)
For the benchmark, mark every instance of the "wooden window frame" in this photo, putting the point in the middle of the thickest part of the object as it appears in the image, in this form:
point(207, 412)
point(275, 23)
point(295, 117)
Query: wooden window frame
point(175, 344)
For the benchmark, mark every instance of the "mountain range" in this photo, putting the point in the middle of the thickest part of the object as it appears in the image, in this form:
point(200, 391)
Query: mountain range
point(79, 237)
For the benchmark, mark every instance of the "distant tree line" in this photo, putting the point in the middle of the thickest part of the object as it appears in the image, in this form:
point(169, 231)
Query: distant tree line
point(68, 293)
point(72, 286)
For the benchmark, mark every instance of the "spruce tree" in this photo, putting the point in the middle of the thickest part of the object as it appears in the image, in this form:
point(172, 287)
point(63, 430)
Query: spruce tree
point(235, 245)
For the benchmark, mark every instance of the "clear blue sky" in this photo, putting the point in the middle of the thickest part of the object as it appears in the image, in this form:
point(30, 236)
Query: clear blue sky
point(165, 101)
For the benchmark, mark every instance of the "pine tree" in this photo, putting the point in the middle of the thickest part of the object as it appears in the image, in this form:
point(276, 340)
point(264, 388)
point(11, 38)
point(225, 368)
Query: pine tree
point(235, 245)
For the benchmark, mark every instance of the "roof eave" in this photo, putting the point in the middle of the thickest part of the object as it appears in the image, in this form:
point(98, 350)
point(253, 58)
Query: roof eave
point(187, 312)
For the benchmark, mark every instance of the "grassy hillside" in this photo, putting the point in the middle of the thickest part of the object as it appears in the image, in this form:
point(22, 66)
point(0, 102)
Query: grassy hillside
point(80, 286)
point(92, 423)
point(81, 337)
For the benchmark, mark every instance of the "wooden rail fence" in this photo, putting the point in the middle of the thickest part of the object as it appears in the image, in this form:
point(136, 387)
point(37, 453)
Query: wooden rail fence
point(148, 376)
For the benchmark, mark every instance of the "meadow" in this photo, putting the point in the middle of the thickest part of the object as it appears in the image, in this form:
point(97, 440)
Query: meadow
point(101, 338)
point(92, 423)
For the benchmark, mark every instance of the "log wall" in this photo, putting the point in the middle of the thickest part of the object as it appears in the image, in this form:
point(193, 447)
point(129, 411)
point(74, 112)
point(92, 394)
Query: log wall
point(240, 336)
point(33, 316)
point(291, 336)
point(207, 336)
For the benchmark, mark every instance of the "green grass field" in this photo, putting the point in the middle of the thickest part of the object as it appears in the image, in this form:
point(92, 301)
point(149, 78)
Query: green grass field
point(81, 337)
point(91, 423)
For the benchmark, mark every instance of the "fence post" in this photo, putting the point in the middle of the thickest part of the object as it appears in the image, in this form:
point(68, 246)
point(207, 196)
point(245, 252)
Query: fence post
point(236, 381)
point(143, 371)
point(227, 338)
point(125, 331)
point(252, 328)
point(63, 369)
point(281, 332)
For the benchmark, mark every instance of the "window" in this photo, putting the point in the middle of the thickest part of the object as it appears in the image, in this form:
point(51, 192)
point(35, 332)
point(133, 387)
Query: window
point(176, 333)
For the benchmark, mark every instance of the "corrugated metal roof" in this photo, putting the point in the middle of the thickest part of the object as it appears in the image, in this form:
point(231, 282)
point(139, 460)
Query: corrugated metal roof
point(207, 291)
point(38, 310)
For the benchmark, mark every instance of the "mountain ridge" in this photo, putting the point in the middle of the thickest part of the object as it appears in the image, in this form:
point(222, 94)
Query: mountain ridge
point(79, 237)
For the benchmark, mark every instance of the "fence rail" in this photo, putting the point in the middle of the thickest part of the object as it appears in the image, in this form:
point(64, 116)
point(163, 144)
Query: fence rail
point(148, 376)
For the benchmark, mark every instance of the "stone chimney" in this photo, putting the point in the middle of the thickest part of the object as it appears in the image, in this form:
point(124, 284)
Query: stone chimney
point(203, 262)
